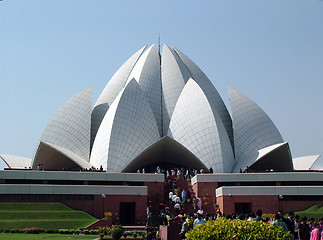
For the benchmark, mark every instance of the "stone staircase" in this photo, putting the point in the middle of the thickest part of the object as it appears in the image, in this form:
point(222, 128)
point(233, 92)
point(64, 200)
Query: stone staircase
point(181, 184)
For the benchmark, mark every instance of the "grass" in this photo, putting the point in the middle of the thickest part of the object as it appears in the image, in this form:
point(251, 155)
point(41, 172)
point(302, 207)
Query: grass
point(33, 206)
point(46, 236)
point(53, 224)
point(314, 211)
point(43, 236)
point(51, 216)
point(44, 215)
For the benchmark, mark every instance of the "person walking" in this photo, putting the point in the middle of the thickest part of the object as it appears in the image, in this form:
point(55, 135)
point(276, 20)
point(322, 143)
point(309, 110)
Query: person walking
point(184, 228)
point(198, 221)
point(304, 230)
point(315, 233)
point(183, 196)
point(258, 215)
point(290, 222)
point(296, 226)
point(278, 222)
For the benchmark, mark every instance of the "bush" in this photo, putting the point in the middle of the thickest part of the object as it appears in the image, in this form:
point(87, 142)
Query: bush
point(140, 232)
point(34, 230)
point(93, 232)
point(103, 230)
point(236, 229)
point(117, 232)
point(156, 220)
point(63, 231)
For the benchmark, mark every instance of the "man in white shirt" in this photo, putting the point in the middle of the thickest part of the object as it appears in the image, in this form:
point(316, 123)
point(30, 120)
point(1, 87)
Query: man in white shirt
point(174, 198)
point(177, 207)
point(170, 196)
point(198, 221)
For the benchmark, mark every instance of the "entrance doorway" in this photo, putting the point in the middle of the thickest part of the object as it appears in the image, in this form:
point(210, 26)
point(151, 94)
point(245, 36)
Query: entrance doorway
point(127, 213)
point(243, 207)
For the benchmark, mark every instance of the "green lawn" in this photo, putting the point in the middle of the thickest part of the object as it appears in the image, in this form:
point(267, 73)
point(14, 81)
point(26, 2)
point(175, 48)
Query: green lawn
point(314, 211)
point(51, 216)
point(52, 224)
point(41, 236)
point(45, 236)
point(33, 206)
point(44, 215)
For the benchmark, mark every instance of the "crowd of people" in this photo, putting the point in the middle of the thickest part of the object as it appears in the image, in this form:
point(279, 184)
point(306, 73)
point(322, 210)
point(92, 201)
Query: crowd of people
point(176, 171)
point(40, 167)
point(174, 210)
point(300, 228)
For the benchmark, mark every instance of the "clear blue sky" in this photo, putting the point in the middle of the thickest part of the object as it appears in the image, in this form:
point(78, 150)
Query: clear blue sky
point(270, 50)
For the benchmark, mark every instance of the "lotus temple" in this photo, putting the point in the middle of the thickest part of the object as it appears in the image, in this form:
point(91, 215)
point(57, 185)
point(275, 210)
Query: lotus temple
point(160, 110)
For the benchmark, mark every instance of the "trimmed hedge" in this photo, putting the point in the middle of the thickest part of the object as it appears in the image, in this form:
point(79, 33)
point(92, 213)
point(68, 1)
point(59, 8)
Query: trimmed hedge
point(236, 229)
point(117, 232)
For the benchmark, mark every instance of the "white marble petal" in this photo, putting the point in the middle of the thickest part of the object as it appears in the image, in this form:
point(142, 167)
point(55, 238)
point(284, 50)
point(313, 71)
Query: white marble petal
point(252, 128)
point(147, 74)
point(305, 162)
point(70, 126)
point(174, 76)
point(111, 90)
point(210, 92)
point(15, 162)
point(197, 128)
point(128, 128)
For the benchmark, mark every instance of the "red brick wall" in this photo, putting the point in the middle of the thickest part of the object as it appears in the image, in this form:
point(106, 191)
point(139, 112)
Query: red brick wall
point(268, 204)
point(170, 232)
point(202, 188)
point(155, 195)
point(111, 203)
point(97, 206)
point(206, 191)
